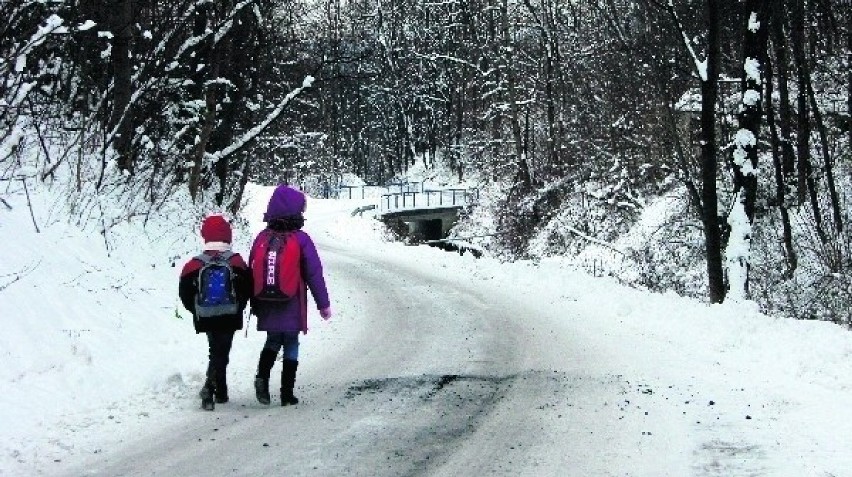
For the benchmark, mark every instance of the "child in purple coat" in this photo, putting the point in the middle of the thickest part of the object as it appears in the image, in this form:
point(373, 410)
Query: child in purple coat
point(283, 321)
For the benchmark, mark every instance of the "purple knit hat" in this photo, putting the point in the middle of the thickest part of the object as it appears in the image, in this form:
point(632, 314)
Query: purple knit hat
point(286, 201)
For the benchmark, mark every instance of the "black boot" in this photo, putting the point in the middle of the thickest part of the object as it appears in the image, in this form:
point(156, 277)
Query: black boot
point(221, 393)
point(206, 395)
point(288, 381)
point(261, 381)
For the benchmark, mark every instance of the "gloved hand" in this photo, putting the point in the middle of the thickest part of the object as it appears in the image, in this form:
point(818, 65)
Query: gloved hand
point(325, 313)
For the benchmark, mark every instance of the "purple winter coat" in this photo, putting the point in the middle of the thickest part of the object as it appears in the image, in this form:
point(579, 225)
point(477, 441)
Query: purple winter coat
point(292, 315)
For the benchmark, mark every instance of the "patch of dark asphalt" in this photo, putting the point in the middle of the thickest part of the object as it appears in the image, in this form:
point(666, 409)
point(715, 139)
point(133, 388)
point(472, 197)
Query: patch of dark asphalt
point(424, 386)
point(425, 418)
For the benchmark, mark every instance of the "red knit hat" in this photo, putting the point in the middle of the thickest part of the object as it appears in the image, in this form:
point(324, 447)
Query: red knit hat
point(216, 229)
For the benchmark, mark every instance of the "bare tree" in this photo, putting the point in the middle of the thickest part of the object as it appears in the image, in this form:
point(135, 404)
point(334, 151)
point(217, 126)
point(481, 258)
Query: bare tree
point(708, 73)
point(121, 122)
point(806, 184)
point(782, 154)
point(524, 180)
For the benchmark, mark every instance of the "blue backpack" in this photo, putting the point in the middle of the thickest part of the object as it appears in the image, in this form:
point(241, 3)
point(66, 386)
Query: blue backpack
point(216, 295)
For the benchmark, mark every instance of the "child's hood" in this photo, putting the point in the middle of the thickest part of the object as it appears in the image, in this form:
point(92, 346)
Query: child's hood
point(285, 201)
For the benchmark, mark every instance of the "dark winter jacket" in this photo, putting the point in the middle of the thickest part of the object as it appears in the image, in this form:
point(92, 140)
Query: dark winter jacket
point(284, 213)
point(188, 288)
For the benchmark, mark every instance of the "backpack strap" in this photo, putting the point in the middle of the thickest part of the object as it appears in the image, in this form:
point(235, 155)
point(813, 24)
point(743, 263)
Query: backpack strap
point(207, 259)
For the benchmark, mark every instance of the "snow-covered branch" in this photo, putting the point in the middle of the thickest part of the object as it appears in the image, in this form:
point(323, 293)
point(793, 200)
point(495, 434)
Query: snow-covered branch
point(17, 276)
point(700, 65)
point(251, 134)
point(460, 61)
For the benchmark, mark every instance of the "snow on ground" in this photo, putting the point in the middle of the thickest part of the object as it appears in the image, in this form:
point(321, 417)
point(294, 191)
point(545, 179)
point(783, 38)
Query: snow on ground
point(94, 337)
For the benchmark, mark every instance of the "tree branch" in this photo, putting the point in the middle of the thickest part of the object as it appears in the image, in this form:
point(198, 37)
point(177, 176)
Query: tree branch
point(251, 134)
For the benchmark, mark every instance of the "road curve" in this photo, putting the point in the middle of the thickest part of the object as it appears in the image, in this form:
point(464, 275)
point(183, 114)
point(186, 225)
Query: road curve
point(438, 379)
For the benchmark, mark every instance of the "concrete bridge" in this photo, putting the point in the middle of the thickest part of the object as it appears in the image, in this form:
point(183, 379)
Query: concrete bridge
point(428, 214)
point(412, 208)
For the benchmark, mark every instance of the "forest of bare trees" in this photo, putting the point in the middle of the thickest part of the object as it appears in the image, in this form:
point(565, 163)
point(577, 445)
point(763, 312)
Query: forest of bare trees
point(580, 113)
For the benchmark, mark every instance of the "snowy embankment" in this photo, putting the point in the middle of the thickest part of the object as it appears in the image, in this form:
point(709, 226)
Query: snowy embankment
point(92, 345)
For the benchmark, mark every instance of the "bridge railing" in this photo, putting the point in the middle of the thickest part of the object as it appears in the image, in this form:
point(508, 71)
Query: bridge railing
point(367, 191)
point(426, 199)
point(360, 191)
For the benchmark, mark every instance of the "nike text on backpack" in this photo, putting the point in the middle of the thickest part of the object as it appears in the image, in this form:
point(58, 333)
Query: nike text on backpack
point(275, 266)
point(216, 294)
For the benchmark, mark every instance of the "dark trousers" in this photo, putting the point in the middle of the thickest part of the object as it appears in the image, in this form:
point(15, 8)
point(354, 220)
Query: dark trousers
point(219, 343)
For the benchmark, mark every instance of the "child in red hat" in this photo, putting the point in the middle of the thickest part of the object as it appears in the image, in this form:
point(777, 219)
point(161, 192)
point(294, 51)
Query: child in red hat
point(224, 272)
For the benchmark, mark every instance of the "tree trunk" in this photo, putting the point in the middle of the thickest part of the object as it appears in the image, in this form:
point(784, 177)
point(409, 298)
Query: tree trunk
point(778, 165)
point(208, 122)
point(544, 19)
point(208, 119)
point(236, 203)
point(709, 195)
point(828, 161)
point(523, 173)
point(121, 119)
point(224, 134)
point(455, 157)
point(785, 116)
point(806, 183)
point(552, 136)
point(744, 160)
point(803, 133)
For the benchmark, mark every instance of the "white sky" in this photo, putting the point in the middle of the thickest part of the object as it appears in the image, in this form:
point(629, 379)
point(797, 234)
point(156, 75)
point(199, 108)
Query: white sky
point(95, 358)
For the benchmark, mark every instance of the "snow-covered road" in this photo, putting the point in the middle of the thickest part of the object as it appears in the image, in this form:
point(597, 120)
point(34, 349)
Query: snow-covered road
point(435, 378)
